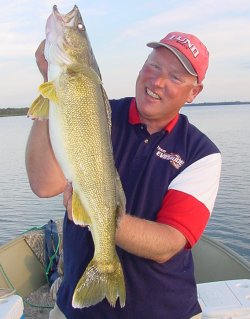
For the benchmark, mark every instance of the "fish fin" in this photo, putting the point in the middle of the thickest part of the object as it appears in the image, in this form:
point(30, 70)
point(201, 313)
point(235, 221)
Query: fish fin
point(48, 91)
point(94, 64)
point(39, 109)
point(79, 213)
point(121, 199)
point(107, 108)
point(100, 281)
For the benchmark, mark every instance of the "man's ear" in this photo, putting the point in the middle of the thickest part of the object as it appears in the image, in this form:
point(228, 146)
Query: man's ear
point(194, 92)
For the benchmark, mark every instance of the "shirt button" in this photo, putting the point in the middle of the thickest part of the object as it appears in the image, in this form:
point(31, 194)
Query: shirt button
point(146, 140)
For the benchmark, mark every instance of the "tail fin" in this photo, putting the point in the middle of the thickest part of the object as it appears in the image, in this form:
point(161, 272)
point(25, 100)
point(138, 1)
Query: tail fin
point(100, 281)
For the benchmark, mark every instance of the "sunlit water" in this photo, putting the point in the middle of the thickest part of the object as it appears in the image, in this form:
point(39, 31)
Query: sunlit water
point(227, 126)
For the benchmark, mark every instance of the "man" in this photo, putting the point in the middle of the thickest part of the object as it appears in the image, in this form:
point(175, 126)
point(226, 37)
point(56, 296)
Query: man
point(170, 174)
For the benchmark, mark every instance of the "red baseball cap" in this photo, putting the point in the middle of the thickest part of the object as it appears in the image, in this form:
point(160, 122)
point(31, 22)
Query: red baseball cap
point(191, 52)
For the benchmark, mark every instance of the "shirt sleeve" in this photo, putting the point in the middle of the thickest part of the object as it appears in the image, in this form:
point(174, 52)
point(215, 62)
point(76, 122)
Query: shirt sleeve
point(190, 198)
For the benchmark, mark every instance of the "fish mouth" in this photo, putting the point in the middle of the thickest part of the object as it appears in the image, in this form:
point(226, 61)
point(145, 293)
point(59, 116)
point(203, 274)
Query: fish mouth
point(68, 17)
point(58, 21)
point(58, 34)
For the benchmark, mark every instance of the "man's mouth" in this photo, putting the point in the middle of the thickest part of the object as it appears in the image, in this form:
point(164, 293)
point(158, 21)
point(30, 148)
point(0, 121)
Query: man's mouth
point(152, 94)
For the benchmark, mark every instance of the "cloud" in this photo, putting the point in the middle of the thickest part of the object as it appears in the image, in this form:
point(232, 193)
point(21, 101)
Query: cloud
point(17, 29)
point(187, 16)
point(22, 24)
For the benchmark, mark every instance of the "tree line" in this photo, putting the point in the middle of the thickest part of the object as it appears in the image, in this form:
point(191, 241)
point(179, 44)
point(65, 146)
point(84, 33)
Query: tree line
point(14, 111)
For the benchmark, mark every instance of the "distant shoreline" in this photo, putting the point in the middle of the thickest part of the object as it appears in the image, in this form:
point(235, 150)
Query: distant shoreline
point(217, 103)
point(10, 111)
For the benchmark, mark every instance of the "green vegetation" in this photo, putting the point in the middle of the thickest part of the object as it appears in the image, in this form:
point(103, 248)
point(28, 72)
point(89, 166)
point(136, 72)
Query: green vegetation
point(13, 111)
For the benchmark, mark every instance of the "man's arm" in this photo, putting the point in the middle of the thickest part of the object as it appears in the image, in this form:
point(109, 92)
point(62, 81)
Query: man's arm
point(149, 239)
point(45, 175)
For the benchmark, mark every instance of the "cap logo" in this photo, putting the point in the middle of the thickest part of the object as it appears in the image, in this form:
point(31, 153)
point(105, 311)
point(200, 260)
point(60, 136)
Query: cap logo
point(186, 41)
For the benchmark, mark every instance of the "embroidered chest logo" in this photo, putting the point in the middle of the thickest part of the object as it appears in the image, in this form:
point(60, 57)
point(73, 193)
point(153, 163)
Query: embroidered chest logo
point(174, 159)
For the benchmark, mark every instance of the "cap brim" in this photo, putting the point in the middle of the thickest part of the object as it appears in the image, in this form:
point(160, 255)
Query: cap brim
point(184, 61)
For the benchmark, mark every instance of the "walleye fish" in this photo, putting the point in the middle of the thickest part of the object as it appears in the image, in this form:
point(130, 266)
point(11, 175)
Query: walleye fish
point(79, 115)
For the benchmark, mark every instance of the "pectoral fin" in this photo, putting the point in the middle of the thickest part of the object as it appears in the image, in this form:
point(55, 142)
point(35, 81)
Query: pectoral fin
point(48, 91)
point(39, 108)
point(79, 213)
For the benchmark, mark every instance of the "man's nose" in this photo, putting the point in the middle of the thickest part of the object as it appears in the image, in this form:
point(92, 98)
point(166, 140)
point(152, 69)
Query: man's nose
point(159, 81)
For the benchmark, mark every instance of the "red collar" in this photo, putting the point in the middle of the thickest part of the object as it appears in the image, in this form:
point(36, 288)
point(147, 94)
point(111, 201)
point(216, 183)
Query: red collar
point(134, 117)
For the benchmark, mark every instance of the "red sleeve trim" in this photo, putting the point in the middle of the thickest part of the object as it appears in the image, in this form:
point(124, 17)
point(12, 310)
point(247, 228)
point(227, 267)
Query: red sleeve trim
point(185, 213)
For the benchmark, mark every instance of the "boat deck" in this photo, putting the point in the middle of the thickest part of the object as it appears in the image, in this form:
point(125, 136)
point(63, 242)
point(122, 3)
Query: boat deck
point(38, 304)
point(22, 270)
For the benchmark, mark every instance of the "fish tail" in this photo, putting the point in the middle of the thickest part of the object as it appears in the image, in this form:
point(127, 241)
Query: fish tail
point(100, 281)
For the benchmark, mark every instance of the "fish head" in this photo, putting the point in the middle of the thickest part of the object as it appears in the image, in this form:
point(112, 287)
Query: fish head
point(66, 39)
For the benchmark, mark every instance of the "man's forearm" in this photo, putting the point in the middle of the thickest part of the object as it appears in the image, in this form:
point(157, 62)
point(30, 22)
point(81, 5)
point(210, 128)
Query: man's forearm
point(45, 176)
point(147, 239)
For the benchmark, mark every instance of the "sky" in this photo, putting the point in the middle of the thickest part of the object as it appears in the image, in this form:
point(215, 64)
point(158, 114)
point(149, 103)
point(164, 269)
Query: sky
point(119, 31)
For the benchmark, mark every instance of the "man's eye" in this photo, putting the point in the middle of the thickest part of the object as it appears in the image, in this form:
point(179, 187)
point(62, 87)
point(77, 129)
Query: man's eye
point(155, 66)
point(176, 78)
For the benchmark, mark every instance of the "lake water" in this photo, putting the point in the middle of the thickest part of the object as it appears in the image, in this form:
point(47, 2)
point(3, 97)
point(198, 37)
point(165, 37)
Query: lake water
point(227, 126)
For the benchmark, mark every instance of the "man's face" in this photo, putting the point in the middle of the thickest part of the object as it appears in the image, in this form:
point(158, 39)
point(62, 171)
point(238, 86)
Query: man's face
point(163, 86)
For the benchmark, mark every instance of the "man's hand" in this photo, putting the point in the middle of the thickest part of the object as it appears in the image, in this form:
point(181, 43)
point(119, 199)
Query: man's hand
point(41, 61)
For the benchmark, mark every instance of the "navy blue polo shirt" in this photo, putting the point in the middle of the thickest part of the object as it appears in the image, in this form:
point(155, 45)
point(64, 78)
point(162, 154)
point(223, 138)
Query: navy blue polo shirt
point(171, 177)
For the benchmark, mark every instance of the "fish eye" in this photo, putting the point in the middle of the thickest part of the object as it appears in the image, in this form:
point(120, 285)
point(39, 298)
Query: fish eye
point(80, 26)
